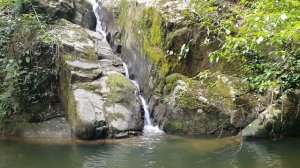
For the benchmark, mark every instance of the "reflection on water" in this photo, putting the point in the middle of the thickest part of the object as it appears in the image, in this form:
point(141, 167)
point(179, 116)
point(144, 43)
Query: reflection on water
point(152, 152)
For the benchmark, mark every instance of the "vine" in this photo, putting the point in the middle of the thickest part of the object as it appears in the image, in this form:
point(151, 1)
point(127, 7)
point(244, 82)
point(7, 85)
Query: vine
point(28, 74)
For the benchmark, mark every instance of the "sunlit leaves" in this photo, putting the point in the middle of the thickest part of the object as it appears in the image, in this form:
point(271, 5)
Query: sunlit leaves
point(267, 40)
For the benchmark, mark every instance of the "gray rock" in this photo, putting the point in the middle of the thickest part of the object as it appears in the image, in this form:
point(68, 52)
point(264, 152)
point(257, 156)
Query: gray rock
point(56, 128)
point(79, 12)
point(57, 9)
point(122, 135)
point(122, 107)
point(89, 19)
point(75, 41)
point(255, 130)
point(98, 99)
point(109, 66)
point(88, 118)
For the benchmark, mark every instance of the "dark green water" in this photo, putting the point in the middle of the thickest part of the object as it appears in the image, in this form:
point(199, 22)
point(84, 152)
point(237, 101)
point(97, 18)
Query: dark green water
point(159, 152)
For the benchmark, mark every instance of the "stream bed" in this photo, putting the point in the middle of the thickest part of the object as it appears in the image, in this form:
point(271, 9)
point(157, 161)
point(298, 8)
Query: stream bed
point(151, 152)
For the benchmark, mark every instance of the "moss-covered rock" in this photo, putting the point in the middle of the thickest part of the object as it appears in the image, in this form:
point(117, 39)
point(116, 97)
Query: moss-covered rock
point(166, 45)
point(74, 41)
point(120, 89)
point(191, 113)
point(121, 103)
point(100, 102)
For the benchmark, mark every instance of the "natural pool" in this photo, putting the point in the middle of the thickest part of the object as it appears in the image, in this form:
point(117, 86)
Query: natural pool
point(152, 152)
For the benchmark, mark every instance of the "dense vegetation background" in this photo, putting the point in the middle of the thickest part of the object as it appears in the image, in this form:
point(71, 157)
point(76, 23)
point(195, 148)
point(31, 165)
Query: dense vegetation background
point(27, 76)
point(261, 37)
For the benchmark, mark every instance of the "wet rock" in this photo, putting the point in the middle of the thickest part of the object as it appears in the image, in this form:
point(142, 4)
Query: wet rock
point(117, 48)
point(122, 135)
point(255, 130)
point(84, 15)
point(55, 128)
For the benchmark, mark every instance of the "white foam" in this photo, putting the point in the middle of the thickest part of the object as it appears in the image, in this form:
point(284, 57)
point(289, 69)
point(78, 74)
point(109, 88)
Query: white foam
point(126, 70)
point(150, 130)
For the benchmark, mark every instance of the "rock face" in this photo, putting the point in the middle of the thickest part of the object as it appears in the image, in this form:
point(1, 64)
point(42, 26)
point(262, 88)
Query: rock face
point(79, 12)
point(99, 101)
point(56, 128)
point(166, 50)
point(161, 46)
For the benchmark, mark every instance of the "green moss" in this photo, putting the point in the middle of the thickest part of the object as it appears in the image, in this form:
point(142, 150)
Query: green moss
point(91, 87)
point(156, 31)
point(87, 86)
point(175, 126)
point(121, 89)
point(90, 54)
point(165, 69)
point(153, 33)
point(171, 80)
point(123, 16)
point(68, 57)
point(222, 91)
point(189, 100)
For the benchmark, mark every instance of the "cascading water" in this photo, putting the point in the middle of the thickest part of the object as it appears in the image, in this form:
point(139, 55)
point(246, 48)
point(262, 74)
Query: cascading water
point(149, 129)
point(97, 10)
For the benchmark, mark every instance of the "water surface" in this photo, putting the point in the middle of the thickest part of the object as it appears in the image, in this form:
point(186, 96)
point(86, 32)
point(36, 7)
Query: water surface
point(152, 152)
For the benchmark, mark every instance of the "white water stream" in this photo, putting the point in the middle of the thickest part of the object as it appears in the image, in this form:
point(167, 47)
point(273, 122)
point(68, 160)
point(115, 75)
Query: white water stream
point(149, 128)
point(97, 8)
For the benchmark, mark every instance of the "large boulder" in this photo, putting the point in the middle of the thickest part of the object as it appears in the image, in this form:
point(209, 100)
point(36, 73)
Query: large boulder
point(99, 100)
point(79, 12)
point(207, 106)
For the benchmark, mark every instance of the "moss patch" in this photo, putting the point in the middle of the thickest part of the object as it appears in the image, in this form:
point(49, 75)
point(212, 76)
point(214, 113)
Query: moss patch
point(171, 81)
point(121, 90)
point(152, 25)
point(123, 16)
point(87, 86)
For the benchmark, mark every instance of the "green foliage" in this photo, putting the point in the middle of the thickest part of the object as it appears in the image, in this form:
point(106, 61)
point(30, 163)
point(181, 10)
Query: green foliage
point(8, 97)
point(28, 73)
point(123, 12)
point(264, 35)
point(185, 49)
point(216, 17)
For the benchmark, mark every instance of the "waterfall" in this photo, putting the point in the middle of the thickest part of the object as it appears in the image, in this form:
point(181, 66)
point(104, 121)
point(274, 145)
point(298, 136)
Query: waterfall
point(149, 129)
point(126, 70)
point(97, 8)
